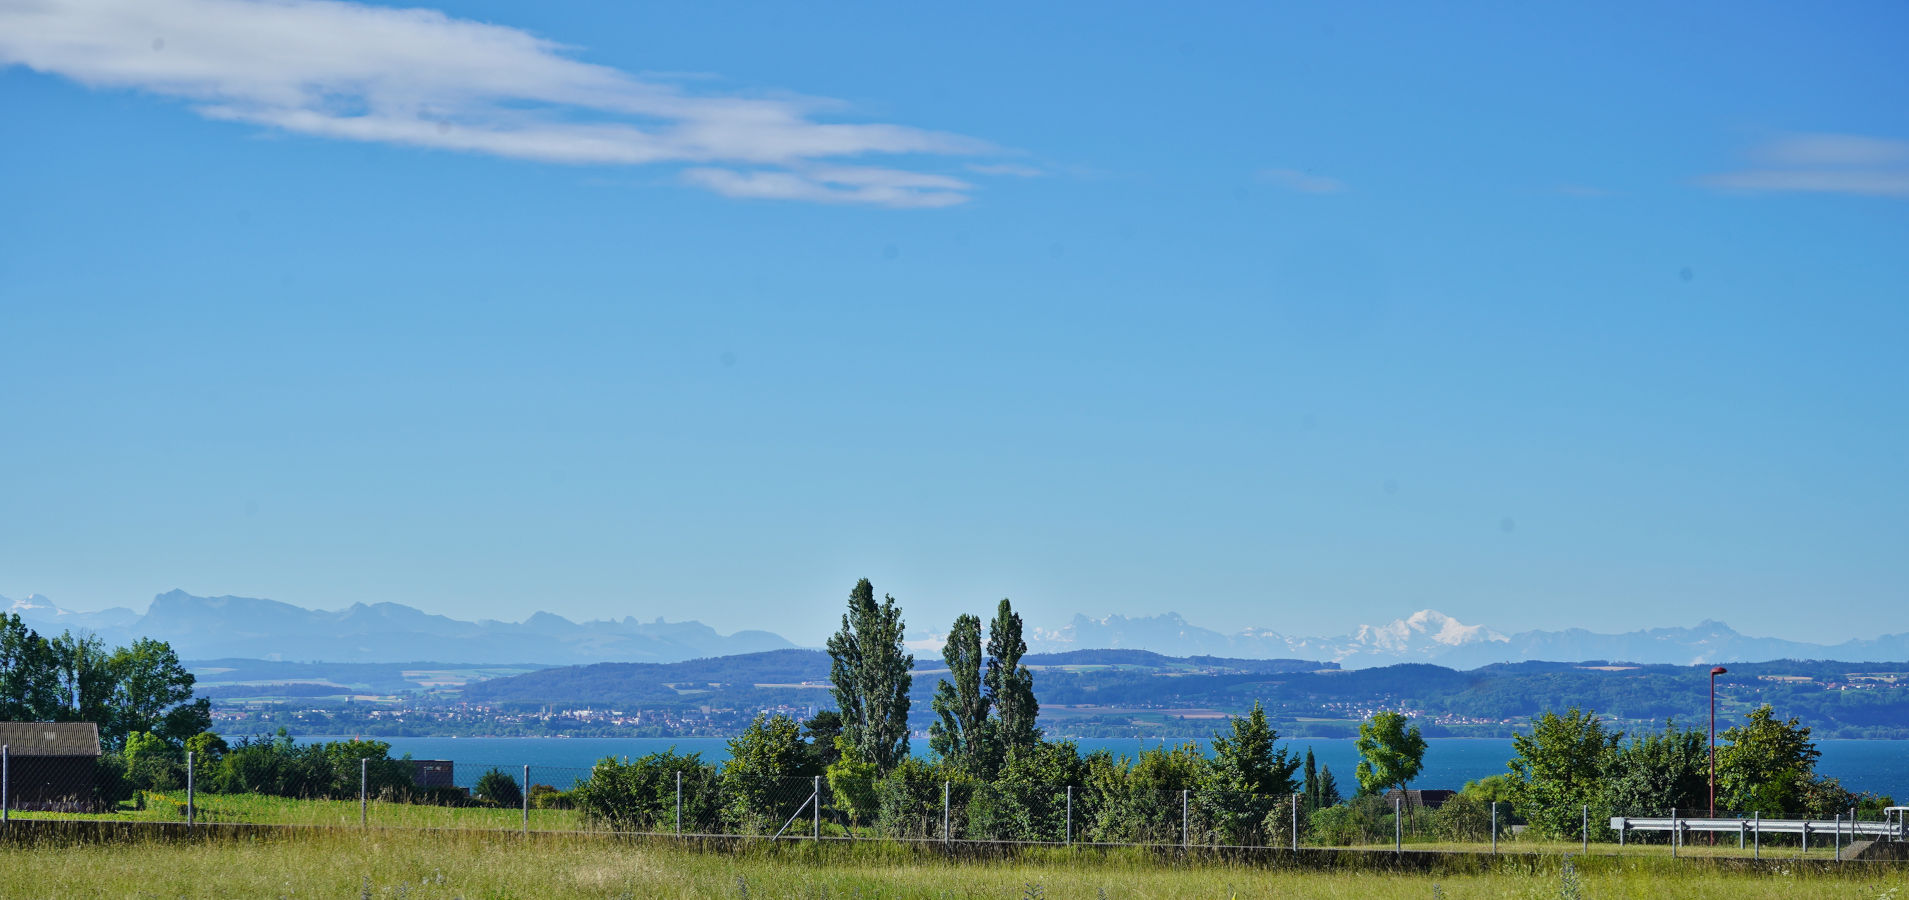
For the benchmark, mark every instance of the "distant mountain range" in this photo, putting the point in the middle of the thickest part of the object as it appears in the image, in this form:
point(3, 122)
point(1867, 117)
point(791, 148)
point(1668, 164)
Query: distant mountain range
point(243, 627)
point(1431, 636)
point(250, 628)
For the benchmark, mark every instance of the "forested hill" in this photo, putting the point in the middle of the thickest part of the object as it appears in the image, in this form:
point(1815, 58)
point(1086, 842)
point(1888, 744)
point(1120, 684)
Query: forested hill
point(1123, 692)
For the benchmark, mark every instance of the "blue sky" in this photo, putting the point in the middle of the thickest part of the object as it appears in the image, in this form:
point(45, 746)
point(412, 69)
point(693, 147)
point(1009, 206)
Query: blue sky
point(1292, 317)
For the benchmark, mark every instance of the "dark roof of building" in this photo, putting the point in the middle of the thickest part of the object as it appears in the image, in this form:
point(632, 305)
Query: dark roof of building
point(50, 738)
point(1431, 799)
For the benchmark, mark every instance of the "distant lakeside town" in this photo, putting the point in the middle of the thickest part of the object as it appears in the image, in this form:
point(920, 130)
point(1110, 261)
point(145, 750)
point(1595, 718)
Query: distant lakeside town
point(1085, 694)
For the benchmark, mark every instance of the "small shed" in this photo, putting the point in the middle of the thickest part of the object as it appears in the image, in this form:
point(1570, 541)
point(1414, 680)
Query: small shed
point(1432, 799)
point(51, 765)
point(433, 773)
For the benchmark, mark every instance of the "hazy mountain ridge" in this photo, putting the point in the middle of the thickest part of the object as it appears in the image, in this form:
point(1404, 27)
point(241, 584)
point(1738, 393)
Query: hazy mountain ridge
point(242, 627)
point(1423, 636)
point(1431, 636)
point(253, 628)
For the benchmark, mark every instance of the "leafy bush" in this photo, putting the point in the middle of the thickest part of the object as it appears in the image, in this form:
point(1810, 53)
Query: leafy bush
point(909, 800)
point(1138, 801)
point(1463, 818)
point(767, 777)
point(547, 796)
point(641, 795)
point(283, 768)
point(112, 784)
point(1364, 820)
point(152, 764)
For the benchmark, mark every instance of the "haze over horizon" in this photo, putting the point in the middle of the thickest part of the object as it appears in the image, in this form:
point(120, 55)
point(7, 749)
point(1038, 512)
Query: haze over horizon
point(1296, 318)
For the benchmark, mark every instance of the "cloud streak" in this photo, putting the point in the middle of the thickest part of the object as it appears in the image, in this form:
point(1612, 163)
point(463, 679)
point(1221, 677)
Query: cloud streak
point(417, 77)
point(1823, 164)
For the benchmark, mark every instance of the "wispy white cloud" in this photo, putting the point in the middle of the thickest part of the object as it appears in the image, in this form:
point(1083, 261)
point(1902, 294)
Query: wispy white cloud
point(421, 78)
point(1824, 164)
point(844, 184)
point(1303, 182)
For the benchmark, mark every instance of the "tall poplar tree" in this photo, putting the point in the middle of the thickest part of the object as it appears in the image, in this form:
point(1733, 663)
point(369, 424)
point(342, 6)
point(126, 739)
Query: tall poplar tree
point(1010, 684)
point(870, 669)
point(962, 732)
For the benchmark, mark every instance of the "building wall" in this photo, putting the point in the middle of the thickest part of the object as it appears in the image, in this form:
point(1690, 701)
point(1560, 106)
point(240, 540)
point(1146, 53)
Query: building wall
point(52, 782)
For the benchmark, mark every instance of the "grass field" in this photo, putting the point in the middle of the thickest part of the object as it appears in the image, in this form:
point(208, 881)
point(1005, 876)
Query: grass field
point(428, 866)
point(262, 809)
point(268, 810)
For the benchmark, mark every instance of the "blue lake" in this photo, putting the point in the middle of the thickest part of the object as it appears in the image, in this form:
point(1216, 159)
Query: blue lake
point(1880, 767)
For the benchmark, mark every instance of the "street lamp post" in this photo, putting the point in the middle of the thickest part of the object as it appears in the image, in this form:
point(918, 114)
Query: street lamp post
point(1714, 672)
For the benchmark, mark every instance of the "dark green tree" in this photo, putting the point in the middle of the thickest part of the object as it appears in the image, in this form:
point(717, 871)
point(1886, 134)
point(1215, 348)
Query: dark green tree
point(1765, 764)
point(820, 731)
point(870, 668)
point(1559, 766)
point(1658, 772)
point(1247, 757)
point(28, 689)
point(83, 681)
point(500, 789)
point(152, 692)
point(1010, 684)
point(1391, 753)
point(1249, 776)
point(961, 733)
point(1309, 782)
point(1328, 793)
point(767, 775)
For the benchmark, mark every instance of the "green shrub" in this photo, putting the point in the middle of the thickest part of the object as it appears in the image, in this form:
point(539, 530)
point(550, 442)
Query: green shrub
point(1462, 818)
point(641, 795)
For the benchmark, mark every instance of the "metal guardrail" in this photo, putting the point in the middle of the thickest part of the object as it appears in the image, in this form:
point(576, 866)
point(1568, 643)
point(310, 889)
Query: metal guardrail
point(1840, 830)
point(1881, 830)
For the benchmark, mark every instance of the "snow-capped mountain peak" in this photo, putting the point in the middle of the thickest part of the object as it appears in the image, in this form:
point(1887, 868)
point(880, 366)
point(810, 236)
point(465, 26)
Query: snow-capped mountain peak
point(1425, 629)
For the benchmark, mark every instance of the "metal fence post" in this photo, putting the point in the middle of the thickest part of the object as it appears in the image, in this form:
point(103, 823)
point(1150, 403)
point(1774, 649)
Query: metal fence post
point(1839, 839)
point(1295, 823)
point(1675, 833)
point(526, 799)
point(944, 812)
point(1494, 828)
point(1585, 826)
point(1757, 820)
point(1398, 829)
point(1186, 831)
point(364, 779)
point(679, 804)
point(6, 784)
point(190, 794)
point(815, 802)
point(1070, 815)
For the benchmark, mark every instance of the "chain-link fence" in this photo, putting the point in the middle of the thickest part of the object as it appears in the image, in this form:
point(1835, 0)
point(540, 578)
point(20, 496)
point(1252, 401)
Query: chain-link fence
point(910, 804)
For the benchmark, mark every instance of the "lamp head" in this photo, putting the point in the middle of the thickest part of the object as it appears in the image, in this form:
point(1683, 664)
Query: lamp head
point(1718, 670)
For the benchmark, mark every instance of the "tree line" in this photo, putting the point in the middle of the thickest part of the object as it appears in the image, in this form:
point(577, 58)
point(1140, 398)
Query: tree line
point(994, 771)
point(137, 689)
